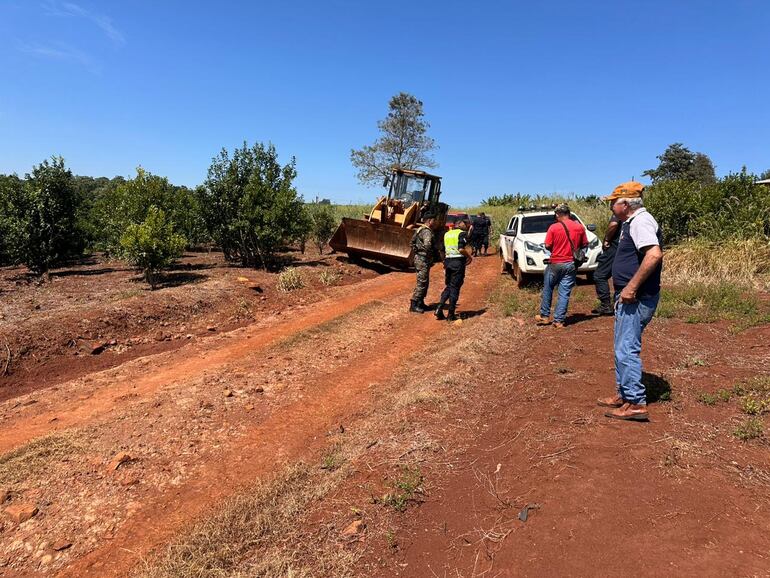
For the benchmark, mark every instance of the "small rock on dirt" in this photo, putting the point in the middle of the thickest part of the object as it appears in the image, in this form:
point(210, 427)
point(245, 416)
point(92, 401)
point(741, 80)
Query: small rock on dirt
point(4, 495)
point(228, 393)
point(119, 459)
point(97, 348)
point(211, 328)
point(21, 512)
point(354, 528)
point(259, 389)
point(60, 545)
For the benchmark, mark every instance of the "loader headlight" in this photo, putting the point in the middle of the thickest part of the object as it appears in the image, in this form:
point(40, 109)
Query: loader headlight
point(594, 243)
point(533, 247)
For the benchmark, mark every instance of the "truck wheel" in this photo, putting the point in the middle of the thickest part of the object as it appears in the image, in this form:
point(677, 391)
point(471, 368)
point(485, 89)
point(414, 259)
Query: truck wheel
point(520, 277)
point(505, 266)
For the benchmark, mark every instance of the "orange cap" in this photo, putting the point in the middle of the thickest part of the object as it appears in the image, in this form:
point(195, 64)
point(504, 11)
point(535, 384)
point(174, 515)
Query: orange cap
point(629, 190)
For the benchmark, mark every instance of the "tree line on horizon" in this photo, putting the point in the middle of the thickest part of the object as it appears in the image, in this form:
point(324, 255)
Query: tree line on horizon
point(247, 206)
point(688, 199)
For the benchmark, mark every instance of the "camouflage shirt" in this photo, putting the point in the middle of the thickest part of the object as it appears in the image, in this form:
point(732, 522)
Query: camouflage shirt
point(424, 243)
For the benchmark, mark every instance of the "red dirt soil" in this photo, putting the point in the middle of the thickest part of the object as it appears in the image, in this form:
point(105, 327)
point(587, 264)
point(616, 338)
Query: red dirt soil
point(677, 496)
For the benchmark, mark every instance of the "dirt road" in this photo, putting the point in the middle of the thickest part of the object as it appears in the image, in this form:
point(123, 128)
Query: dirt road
point(494, 413)
point(266, 438)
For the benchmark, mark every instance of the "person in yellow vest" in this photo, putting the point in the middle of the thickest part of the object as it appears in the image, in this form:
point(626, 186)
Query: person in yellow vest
point(457, 255)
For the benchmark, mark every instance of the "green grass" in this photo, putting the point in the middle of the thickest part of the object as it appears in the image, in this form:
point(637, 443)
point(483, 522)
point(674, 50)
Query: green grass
point(405, 488)
point(332, 461)
point(519, 301)
point(750, 429)
point(709, 303)
point(722, 395)
point(753, 399)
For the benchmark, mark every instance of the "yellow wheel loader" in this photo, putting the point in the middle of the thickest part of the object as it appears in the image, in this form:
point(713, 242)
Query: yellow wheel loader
point(385, 234)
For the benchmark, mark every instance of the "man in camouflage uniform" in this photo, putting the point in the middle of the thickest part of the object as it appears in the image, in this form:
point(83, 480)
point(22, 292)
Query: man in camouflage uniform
point(425, 250)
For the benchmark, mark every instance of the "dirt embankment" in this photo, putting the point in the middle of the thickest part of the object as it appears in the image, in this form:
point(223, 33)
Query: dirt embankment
point(99, 314)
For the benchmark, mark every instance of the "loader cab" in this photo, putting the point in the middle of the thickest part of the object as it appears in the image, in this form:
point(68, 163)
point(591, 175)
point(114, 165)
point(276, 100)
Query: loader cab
point(414, 187)
point(411, 194)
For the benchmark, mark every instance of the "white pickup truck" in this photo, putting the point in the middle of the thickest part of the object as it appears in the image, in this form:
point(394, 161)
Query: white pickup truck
point(522, 249)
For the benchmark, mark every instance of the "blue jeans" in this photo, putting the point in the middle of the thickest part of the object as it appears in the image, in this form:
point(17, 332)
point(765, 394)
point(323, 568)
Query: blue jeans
point(563, 275)
point(630, 321)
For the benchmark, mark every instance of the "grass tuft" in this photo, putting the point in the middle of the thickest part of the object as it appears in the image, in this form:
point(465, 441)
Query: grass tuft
point(750, 429)
point(290, 279)
point(405, 488)
point(329, 277)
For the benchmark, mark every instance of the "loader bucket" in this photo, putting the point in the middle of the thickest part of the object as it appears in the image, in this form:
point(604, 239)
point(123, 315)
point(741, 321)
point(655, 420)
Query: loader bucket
point(389, 244)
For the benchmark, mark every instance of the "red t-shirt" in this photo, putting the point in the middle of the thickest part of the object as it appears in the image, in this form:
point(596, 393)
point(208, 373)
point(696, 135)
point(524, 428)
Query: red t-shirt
point(556, 238)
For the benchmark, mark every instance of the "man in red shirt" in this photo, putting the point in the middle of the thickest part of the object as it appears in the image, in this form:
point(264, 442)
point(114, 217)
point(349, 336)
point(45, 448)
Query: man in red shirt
point(563, 238)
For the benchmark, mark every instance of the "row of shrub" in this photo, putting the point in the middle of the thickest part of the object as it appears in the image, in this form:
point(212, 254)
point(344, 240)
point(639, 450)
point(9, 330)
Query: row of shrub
point(248, 206)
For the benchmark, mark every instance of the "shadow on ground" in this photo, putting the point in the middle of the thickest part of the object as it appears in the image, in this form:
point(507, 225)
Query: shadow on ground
point(658, 388)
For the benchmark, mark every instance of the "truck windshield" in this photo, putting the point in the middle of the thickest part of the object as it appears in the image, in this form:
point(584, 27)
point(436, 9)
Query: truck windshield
point(411, 189)
point(540, 223)
point(536, 224)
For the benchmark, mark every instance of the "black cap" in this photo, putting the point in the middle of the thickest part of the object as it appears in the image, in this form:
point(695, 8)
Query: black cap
point(427, 216)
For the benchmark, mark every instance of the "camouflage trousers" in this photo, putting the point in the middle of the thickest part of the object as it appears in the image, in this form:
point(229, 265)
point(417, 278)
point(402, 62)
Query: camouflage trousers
point(422, 265)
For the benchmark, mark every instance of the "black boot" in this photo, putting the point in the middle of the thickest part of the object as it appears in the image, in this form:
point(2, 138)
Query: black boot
point(424, 305)
point(440, 312)
point(604, 308)
point(452, 316)
point(415, 307)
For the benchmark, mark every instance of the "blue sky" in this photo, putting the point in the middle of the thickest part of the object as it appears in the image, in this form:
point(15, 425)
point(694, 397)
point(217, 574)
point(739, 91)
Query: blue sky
point(535, 97)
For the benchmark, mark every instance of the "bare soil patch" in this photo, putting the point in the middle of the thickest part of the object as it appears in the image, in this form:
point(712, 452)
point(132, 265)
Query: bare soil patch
point(98, 313)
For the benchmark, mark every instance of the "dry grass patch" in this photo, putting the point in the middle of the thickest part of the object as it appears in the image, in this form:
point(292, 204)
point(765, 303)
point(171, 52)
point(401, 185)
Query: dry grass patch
point(328, 327)
point(744, 264)
point(257, 533)
point(35, 457)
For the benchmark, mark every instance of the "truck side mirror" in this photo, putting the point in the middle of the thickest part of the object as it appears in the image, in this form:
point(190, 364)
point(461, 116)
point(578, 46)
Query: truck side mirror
point(591, 227)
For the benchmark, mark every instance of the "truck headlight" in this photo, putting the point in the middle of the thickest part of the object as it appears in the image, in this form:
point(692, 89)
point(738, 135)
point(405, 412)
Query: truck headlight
point(594, 243)
point(533, 247)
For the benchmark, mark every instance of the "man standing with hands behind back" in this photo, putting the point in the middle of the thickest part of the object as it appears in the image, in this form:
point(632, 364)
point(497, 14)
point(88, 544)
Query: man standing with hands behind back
point(636, 278)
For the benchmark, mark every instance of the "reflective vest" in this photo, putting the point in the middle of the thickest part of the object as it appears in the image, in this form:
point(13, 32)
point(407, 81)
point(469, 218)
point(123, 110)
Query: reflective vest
point(452, 243)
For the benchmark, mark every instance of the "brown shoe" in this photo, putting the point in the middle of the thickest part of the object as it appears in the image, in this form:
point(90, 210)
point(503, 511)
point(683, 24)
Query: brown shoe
point(540, 320)
point(629, 412)
point(615, 401)
point(558, 324)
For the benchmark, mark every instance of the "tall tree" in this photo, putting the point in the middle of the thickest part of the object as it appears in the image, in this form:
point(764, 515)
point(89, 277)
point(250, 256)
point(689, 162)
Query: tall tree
point(765, 175)
point(403, 142)
point(679, 163)
point(43, 227)
point(250, 204)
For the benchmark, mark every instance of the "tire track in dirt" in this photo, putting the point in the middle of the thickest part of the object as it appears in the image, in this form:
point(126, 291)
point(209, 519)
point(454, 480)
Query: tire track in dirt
point(183, 364)
point(288, 435)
